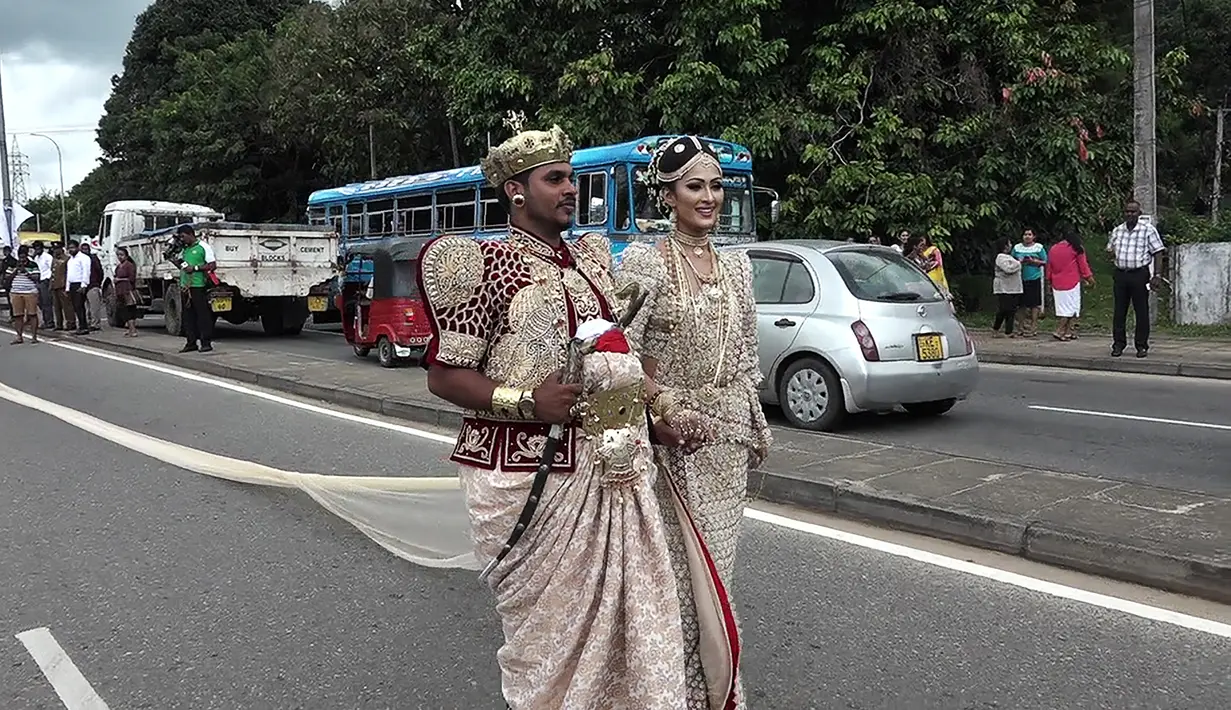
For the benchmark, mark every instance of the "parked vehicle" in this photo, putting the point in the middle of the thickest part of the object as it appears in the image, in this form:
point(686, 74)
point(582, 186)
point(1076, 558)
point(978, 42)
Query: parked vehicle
point(274, 273)
point(380, 303)
point(848, 328)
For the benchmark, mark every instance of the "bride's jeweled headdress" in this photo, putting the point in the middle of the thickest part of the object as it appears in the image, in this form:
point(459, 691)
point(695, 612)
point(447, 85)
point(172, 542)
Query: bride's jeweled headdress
point(672, 161)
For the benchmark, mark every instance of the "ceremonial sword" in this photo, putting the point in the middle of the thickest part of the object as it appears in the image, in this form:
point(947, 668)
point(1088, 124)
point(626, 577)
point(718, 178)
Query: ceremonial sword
point(571, 374)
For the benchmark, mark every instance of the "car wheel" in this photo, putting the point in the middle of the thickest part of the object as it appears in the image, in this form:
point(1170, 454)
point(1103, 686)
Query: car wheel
point(361, 350)
point(930, 409)
point(384, 350)
point(811, 395)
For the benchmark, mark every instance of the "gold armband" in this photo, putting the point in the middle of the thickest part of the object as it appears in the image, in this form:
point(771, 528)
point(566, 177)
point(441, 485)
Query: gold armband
point(506, 402)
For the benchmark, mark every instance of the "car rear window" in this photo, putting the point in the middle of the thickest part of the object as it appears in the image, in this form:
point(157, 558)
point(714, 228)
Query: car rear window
point(879, 274)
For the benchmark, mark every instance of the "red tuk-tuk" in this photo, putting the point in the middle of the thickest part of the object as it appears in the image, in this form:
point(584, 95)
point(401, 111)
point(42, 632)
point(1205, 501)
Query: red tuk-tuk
point(380, 303)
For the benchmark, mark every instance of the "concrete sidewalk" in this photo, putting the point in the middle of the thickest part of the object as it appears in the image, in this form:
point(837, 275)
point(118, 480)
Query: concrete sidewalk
point(1170, 539)
point(1168, 356)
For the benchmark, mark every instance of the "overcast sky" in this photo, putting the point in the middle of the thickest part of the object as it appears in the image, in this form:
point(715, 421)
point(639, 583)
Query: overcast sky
point(57, 58)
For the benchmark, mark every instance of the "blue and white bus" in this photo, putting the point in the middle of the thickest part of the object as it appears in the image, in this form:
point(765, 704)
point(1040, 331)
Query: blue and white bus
point(611, 199)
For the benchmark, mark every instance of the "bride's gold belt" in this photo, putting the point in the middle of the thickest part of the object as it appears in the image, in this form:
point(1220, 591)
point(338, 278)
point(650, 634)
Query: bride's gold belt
point(612, 409)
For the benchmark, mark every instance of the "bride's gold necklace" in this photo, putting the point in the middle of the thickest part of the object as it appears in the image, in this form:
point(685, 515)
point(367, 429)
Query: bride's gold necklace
point(699, 245)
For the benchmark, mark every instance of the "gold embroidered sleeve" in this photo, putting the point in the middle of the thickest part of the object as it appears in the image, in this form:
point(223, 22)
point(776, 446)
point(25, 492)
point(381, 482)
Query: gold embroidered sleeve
point(597, 247)
point(642, 264)
point(459, 308)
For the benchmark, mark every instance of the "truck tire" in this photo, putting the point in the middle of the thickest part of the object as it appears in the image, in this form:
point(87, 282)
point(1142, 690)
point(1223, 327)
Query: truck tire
point(272, 323)
point(295, 315)
point(112, 306)
point(173, 309)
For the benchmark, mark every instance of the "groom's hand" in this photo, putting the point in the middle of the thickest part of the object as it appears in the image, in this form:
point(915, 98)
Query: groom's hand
point(553, 401)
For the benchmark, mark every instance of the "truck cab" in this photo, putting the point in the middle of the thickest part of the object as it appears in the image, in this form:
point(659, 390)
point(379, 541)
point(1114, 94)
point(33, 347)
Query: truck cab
point(127, 218)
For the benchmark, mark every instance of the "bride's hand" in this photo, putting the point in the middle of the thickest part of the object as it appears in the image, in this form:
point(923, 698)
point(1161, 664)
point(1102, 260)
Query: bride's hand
point(692, 431)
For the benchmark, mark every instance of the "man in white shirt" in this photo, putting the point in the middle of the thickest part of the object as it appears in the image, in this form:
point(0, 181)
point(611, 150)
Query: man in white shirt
point(1137, 249)
point(42, 259)
point(78, 283)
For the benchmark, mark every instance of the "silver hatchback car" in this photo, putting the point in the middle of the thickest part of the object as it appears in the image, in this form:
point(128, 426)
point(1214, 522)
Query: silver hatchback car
point(848, 328)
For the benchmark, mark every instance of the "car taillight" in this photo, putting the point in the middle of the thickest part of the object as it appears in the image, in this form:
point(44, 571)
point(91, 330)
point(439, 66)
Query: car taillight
point(970, 343)
point(867, 343)
point(410, 315)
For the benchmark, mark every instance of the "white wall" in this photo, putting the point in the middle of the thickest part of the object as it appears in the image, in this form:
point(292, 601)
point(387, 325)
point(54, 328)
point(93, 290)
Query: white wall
point(1201, 274)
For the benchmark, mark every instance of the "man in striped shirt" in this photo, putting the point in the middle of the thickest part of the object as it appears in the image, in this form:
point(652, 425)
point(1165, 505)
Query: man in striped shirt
point(1137, 249)
point(23, 281)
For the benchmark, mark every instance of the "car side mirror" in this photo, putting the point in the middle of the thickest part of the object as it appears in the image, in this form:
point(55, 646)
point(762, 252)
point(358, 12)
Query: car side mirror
point(774, 210)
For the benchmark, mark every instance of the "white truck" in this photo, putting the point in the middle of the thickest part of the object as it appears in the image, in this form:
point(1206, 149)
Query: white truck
point(275, 273)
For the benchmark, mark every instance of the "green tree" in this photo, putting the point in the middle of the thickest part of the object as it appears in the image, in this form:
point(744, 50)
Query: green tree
point(162, 33)
point(366, 63)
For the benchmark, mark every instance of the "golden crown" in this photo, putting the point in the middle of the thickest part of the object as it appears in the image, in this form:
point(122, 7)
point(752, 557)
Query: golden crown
point(526, 150)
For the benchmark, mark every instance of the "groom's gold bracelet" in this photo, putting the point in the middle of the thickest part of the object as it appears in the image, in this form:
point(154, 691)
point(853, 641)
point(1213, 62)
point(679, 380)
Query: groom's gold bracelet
point(505, 401)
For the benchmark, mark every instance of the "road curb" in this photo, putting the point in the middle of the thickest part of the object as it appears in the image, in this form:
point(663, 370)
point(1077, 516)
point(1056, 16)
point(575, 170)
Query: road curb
point(1033, 540)
point(1127, 363)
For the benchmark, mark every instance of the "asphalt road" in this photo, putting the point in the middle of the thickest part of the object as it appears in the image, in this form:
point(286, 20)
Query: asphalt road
point(1189, 449)
point(169, 589)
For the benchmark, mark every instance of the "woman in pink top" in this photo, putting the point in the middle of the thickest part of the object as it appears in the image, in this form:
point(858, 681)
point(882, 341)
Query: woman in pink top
point(1066, 269)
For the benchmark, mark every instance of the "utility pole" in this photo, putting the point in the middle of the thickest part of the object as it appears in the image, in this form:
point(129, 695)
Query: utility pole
point(7, 228)
point(1145, 183)
point(1216, 198)
point(372, 146)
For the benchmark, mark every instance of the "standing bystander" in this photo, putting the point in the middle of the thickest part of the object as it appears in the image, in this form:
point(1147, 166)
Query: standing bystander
point(1033, 257)
point(197, 259)
point(62, 305)
point(22, 281)
point(1137, 250)
point(42, 259)
point(94, 295)
point(1007, 286)
point(78, 282)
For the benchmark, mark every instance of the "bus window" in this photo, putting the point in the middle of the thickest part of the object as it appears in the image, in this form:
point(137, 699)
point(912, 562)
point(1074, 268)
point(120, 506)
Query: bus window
point(494, 215)
point(316, 215)
point(333, 216)
point(455, 211)
point(622, 216)
point(354, 219)
point(380, 217)
point(591, 199)
point(415, 214)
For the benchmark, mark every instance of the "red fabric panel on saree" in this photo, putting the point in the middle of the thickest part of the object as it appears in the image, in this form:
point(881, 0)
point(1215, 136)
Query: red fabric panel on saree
point(720, 643)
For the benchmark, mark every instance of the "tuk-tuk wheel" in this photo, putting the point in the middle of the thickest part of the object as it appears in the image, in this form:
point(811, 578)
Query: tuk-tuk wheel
point(384, 350)
point(361, 350)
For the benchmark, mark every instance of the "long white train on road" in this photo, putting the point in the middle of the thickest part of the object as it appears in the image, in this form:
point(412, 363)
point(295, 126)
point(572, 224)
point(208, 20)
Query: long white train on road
point(278, 274)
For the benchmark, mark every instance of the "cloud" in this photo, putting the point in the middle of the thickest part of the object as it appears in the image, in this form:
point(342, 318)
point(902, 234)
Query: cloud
point(57, 58)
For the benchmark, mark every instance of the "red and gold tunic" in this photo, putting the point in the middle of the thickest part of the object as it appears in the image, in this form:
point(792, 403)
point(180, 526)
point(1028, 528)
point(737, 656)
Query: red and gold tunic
point(508, 309)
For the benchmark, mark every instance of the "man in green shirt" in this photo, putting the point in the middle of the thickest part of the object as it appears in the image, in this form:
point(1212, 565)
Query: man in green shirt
point(196, 260)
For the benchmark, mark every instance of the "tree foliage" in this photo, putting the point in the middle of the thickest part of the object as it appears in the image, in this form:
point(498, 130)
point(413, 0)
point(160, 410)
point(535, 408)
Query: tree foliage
point(966, 119)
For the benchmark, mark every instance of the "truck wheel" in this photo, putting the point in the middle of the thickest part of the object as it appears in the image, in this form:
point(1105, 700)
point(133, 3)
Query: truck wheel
point(173, 310)
point(361, 350)
point(112, 306)
point(272, 323)
point(295, 315)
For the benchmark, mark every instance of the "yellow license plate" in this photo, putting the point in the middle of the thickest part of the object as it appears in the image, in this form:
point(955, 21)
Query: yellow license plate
point(220, 304)
point(929, 348)
point(316, 304)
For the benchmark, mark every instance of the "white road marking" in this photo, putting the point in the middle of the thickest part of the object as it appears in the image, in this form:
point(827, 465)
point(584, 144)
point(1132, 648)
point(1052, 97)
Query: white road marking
point(1131, 417)
point(1051, 588)
point(1018, 580)
point(267, 396)
point(72, 687)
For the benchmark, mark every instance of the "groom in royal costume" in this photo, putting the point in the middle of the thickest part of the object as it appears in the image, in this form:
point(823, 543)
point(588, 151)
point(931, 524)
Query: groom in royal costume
point(584, 589)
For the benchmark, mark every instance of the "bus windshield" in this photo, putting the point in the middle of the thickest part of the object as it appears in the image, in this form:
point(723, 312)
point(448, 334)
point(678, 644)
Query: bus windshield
point(736, 214)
